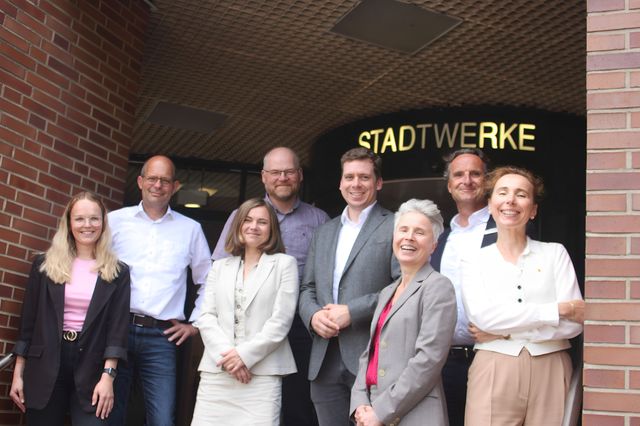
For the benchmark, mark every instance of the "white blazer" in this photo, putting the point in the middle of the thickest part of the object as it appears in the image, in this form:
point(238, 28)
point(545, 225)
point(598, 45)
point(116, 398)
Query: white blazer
point(270, 305)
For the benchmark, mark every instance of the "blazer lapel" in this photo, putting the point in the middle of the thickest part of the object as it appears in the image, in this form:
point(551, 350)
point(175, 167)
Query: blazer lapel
point(228, 275)
point(259, 277)
point(56, 293)
point(376, 217)
point(101, 295)
point(413, 287)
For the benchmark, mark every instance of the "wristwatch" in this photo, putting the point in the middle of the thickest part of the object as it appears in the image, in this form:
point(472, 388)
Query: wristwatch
point(111, 372)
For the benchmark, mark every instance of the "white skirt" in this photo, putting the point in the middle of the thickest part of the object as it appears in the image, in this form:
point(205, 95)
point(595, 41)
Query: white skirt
point(222, 400)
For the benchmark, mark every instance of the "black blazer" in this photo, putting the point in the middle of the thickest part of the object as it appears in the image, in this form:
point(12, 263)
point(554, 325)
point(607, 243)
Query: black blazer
point(104, 334)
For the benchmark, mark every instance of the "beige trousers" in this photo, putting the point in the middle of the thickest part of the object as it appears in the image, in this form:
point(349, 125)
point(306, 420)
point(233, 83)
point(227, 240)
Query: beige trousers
point(527, 390)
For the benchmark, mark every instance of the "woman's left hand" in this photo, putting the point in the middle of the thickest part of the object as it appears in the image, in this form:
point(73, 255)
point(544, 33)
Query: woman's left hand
point(481, 336)
point(365, 416)
point(103, 396)
point(231, 361)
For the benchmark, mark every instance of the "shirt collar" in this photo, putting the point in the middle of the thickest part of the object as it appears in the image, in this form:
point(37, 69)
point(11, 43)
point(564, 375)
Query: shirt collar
point(476, 218)
point(295, 205)
point(344, 218)
point(139, 211)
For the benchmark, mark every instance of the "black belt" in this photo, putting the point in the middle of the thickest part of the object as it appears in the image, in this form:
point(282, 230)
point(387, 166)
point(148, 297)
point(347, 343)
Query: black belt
point(461, 352)
point(145, 321)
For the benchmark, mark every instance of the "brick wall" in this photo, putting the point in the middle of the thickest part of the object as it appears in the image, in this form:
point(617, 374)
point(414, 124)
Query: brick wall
point(612, 330)
point(69, 77)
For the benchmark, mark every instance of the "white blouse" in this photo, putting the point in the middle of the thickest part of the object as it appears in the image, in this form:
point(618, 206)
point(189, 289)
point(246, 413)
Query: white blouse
point(521, 300)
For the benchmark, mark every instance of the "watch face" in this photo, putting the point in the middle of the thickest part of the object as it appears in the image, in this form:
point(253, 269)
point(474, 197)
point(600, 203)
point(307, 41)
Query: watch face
point(111, 372)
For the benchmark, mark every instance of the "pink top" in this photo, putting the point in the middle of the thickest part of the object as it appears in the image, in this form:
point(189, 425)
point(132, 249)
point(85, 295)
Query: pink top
point(372, 368)
point(78, 292)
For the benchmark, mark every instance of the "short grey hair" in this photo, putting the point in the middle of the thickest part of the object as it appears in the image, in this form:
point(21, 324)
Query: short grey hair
point(427, 208)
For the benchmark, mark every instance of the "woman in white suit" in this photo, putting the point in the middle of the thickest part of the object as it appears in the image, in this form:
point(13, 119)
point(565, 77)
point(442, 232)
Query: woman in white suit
point(248, 308)
point(399, 376)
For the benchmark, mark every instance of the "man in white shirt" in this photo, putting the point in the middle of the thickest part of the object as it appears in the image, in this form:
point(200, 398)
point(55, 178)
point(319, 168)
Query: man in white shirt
point(159, 245)
point(470, 229)
point(349, 262)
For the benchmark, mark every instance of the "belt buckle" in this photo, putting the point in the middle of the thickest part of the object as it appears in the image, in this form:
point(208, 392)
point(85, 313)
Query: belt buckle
point(134, 318)
point(70, 335)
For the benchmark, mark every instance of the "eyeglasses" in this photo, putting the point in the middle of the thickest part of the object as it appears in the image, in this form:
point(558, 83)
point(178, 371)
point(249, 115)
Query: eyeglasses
point(152, 180)
point(277, 173)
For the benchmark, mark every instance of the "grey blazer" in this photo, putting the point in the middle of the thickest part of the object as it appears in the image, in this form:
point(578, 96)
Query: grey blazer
point(370, 267)
point(413, 347)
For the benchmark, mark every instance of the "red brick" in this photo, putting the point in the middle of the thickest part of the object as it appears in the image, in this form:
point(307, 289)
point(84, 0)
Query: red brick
point(623, 181)
point(606, 245)
point(609, 401)
point(26, 185)
point(614, 21)
point(605, 80)
point(635, 289)
point(18, 168)
point(613, 224)
point(34, 202)
point(613, 379)
point(602, 420)
point(54, 183)
point(635, 245)
point(606, 290)
point(32, 161)
point(18, 126)
point(598, 311)
point(606, 202)
point(635, 201)
point(604, 5)
point(634, 379)
point(604, 333)
point(43, 84)
point(612, 100)
point(634, 335)
point(612, 61)
point(606, 121)
point(617, 267)
point(635, 160)
point(635, 120)
point(17, 84)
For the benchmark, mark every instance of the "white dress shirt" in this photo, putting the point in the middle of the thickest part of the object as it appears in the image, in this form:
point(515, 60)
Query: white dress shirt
point(346, 239)
point(462, 241)
point(521, 300)
point(158, 253)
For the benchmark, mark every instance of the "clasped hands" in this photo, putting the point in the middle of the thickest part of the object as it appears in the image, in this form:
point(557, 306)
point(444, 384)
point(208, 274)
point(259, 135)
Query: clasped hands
point(365, 416)
point(233, 364)
point(329, 320)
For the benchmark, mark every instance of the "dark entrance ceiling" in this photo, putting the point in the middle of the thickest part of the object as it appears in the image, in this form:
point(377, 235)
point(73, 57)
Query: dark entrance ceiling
point(282, 77)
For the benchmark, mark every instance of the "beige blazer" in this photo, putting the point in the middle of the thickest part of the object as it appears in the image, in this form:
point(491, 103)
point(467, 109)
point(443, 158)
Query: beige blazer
point(270, 305)
point(414, 344)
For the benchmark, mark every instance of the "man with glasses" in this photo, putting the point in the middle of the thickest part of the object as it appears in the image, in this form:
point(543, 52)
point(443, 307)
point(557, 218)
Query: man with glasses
point(159, 245)
point(282, 176)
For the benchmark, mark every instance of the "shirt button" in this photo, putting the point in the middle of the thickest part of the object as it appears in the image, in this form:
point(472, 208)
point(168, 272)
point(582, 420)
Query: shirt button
point(519, 300)
point(519, 287)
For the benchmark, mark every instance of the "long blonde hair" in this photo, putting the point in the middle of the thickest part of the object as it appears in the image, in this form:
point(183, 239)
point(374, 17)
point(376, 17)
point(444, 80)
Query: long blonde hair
point(59, 258)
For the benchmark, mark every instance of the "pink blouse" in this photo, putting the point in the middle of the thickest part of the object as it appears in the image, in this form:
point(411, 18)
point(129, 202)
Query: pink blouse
point(372, 368)
point(78, 292)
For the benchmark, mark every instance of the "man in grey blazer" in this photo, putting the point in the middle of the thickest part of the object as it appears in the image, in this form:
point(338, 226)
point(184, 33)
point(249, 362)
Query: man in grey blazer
point(349, 262)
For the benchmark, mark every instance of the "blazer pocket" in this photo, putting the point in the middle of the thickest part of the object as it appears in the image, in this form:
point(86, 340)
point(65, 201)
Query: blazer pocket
point(35, 351)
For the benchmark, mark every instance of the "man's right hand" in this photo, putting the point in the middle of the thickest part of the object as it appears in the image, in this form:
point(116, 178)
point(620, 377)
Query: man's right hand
point(323, 326)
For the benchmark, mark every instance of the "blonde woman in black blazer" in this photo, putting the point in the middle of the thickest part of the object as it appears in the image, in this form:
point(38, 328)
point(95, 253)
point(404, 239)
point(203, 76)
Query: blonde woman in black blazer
point(74, 326)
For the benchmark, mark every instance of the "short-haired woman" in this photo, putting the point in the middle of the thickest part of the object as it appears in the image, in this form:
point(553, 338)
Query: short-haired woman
point(399, 375)
point(247, 311)
point(524, 304)
point(74, 325)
